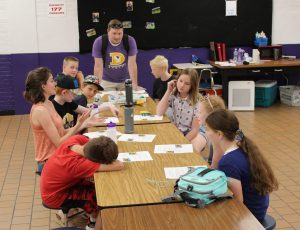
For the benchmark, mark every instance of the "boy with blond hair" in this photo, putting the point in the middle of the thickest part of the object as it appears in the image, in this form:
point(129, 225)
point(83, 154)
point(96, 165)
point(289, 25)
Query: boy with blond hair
point(70, 67)
point(159, 67)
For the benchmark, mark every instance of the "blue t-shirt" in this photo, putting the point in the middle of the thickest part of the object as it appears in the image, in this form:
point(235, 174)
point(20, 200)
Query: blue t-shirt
point(236, 165)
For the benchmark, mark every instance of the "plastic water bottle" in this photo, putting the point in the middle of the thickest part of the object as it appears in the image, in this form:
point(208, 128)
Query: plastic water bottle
point(235, 55)
point(128, 92)
point(112, 131)
point(128, 115)
point(240, 56)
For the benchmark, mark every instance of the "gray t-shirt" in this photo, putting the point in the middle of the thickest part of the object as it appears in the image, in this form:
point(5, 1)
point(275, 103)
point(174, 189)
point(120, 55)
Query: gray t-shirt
point(116, 60)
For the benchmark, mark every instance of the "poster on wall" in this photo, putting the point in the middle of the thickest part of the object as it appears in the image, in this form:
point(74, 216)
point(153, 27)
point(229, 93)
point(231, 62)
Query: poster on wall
point(56, 8)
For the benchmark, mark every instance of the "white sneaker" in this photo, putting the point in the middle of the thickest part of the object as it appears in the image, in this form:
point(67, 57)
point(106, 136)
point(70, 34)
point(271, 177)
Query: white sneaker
point(90, 226)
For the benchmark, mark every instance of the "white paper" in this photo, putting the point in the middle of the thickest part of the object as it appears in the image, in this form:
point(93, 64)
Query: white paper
point(137, 137)
point(111, 119)
point(180, 148)
point(231, 9)
point(98, 134)
point(147, 118)
point(135, 156)
point(176, 172)
point(95, 134)
point(225, 63)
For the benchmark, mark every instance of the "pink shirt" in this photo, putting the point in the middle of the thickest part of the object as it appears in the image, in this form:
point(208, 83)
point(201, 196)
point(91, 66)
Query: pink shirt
point(43, 146)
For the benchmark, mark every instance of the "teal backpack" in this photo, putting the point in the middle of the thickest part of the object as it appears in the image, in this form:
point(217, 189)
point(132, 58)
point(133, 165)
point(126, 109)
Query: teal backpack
point(201, 186)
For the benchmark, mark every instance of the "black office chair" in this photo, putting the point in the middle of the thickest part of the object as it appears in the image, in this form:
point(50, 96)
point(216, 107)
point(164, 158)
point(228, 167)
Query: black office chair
point(269, 222)
point(65, 212)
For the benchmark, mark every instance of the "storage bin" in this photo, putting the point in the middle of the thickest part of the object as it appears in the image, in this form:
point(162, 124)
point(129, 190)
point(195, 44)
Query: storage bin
point(265, 92)
point(290, 95)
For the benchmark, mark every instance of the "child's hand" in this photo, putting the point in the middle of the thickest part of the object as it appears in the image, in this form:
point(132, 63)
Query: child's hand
point(83, 117)
point(115, 111)
point(172, 85)
point(93, 121)
point(80, 79)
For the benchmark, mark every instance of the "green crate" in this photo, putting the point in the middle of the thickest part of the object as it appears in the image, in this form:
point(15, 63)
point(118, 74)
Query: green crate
point(265, 93)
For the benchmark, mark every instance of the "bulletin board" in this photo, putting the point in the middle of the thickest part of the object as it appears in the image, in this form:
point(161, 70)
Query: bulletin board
point(191, 23)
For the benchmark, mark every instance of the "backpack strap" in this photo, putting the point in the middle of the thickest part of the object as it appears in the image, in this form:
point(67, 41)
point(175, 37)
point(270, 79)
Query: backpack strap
point(104, 47)
point(198, 203)
point(205, 171)
point(192, 202)
point(105, 44)
point(125, 42)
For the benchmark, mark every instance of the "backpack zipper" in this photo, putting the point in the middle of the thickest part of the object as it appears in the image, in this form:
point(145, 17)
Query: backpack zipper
point(204, 183)
point(202, 193)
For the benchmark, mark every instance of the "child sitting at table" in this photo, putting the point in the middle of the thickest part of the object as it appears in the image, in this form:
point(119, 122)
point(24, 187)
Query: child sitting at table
point(64, 179)
point(70, 67)
point(64, 104)
point(159, 67)
point(182, 97)
point(250, 177)
point(208, 104)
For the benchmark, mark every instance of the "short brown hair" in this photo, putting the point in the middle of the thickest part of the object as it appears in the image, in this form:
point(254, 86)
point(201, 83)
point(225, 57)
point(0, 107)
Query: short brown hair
point(114, 24)
point(33, 84)
point(101, 150)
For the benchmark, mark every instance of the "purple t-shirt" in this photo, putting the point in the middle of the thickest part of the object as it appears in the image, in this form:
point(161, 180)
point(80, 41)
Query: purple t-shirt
point(116, 60)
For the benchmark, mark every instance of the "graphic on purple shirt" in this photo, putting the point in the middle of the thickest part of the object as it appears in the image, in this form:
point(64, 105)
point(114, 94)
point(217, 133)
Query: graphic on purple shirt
point(116, 60)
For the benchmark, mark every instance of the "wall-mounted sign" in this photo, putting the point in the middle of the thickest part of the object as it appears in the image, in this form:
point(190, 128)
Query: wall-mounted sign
point(57, 8)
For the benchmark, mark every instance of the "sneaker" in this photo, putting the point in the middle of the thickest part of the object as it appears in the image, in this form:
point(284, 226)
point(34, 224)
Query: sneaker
point(90, 225)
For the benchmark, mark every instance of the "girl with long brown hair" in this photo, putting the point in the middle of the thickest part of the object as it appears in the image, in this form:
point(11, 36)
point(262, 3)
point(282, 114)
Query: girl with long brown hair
point(250, 176)
point(182, 98)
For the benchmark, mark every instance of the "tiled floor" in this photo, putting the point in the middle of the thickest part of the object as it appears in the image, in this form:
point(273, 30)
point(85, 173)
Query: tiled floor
point(276, 130)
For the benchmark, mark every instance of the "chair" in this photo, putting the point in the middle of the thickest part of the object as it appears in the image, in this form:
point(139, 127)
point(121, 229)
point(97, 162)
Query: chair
point(65, 212)
point(269, 222)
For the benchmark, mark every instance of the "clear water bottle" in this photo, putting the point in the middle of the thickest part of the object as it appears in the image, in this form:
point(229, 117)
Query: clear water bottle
point(235, 55)
point(128, 115)
point(112, 131)
point(240, 56)
point(128, 92)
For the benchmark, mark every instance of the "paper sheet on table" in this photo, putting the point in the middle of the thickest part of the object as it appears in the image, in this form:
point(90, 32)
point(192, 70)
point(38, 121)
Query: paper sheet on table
point(181, 148)
point(225, 63)
point(147, 118)
point(98, 134)
point(111, 119)
point(137, 137)
point(135, 156)
point(176, 172)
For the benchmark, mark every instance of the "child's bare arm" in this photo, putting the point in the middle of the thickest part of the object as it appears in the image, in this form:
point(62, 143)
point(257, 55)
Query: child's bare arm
point(115, 166)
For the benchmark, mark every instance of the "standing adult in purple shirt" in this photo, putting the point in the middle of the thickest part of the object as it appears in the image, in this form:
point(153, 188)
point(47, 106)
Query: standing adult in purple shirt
point(118, 64)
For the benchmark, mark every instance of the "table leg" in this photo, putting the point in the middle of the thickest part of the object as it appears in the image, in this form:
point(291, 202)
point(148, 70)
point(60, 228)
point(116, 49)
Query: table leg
point(225, 88)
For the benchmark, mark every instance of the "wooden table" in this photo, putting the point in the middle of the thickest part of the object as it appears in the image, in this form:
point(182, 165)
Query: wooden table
point(264, 68)
point(143, 182)
point(227, 214)
point(149, 106)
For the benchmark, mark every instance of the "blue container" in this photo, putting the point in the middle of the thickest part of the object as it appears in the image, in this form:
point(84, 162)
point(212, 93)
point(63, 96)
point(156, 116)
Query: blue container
point(261, 41)
point(265, 93)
